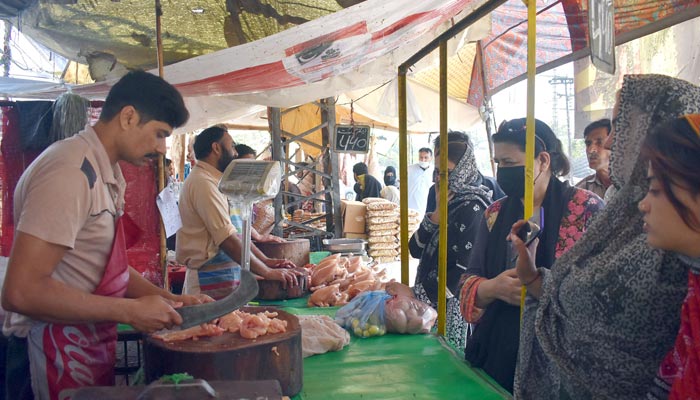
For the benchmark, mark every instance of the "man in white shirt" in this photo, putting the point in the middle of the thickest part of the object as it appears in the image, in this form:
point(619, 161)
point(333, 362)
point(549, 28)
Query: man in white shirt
point(420, 178)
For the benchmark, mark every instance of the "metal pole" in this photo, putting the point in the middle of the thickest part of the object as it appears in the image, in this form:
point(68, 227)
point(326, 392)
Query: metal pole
point(530, 125)
point(336, 222)
point(442, 184)
point(274, 116)
point(403, 174)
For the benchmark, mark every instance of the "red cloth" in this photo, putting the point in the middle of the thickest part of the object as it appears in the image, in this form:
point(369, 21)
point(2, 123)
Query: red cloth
point(685, 356)
point(140, 198)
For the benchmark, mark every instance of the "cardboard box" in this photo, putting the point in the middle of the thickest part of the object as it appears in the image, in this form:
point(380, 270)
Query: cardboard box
point(353, 216)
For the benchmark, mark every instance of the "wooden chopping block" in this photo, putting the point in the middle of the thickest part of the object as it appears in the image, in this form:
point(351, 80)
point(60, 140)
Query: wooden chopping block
point(296, 250)
point(272, 290)
point(232, 358)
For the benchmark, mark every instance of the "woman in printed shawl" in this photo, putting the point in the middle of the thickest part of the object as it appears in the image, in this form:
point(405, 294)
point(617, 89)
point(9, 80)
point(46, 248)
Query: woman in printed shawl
point(607, 311)
point(490, 296)
point(467, 200)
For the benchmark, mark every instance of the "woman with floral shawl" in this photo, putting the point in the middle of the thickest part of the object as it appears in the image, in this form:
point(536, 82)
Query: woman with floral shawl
point(467, 200)
point(490, 296)
point(598, 323)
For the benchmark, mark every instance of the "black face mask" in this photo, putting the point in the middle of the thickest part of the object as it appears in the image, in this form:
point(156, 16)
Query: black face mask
point(389, 180)
point(512, 181)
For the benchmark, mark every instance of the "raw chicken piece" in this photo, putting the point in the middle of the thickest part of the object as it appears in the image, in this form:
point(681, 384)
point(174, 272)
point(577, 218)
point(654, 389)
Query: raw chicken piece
point(326, 297)
point(277, 326)
point(254, 326)
point(360, 287)
point(324, 275)
point(354, 264)
point(232, 321)
point(190, 333)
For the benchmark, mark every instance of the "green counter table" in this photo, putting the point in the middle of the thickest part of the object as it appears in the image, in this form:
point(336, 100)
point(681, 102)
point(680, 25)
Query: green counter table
point(389, 367)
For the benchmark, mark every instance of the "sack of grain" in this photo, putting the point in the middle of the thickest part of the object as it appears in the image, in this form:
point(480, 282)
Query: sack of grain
point(370, 200)
point(382, 220)
point(379, 206)
point(382, 213)
point(382, 227)
point(383, 253)
point(391, 232)
point(381, 239)
point(383, 246)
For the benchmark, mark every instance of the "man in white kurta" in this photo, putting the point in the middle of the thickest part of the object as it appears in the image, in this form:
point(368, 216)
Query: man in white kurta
point(420, 178)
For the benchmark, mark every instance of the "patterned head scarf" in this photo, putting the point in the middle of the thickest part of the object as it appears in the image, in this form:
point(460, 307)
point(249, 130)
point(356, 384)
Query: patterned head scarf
point(465, 179)
point(611, 303)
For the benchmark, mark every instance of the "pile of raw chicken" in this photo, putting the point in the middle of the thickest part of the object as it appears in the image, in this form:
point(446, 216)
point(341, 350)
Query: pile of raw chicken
point(336, 280)
point(249, 326)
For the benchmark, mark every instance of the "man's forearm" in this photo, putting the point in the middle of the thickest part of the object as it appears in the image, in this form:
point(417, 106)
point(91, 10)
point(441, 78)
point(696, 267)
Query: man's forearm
point(140, 286)
point(233, 246)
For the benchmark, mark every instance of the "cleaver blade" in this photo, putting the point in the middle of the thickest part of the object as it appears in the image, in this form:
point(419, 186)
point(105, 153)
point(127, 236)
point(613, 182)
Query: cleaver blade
point(201, 313)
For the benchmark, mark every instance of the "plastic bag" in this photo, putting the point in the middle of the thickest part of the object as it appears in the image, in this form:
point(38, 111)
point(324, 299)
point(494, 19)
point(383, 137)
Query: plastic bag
point(404, 314)
point(320, 334)
point(364, 315)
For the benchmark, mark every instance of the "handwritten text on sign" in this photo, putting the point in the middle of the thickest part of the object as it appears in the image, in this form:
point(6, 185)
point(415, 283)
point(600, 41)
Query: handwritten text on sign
point(601, 31)
point(351, 138)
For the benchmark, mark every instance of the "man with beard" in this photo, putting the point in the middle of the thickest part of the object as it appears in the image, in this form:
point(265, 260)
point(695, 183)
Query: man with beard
point(595, 135)
point(208, 243)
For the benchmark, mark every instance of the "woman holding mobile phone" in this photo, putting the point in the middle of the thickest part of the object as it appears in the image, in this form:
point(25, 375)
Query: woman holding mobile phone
point(490, 295)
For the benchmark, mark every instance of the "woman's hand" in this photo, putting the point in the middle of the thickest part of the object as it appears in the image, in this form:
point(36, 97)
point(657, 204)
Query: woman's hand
point(525, 264)
point(504, 287)
point(399, 289)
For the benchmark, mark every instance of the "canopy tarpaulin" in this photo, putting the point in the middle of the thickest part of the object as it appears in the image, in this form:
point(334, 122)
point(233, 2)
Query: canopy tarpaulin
point(353, 48)
point(562, 36)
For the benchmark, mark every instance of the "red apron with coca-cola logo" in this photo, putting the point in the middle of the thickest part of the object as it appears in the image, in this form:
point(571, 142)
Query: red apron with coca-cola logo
point(65, 357)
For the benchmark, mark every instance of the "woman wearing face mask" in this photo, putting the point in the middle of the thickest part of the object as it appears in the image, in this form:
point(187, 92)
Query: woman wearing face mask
point(467, 200)
point(390, 191)
point(490, 296)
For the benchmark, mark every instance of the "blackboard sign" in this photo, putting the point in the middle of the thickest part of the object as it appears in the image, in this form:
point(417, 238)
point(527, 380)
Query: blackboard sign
point(601, 31)
point(351, 139)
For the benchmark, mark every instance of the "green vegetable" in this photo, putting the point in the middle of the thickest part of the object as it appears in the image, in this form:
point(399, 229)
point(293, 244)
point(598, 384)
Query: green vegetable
point(176, 378)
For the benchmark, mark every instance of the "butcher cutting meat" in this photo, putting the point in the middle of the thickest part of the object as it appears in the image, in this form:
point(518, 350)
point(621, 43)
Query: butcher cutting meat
point(68, 282)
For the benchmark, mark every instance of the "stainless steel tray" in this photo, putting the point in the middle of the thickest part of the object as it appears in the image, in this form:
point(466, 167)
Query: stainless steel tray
point(344, 245)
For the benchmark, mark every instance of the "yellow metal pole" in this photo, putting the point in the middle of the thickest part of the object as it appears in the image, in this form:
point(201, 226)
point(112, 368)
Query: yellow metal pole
point(160, 168)
point(403, 174)
point(530, 123)
point(442, 230)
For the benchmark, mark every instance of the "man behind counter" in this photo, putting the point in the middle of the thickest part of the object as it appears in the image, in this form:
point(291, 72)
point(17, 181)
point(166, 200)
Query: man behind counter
point(67, 279)
point(208, 242)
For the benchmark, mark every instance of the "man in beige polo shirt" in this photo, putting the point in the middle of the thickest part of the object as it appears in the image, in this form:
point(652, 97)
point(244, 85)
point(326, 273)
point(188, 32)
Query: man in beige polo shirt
point(208, 243)
point(68, 281)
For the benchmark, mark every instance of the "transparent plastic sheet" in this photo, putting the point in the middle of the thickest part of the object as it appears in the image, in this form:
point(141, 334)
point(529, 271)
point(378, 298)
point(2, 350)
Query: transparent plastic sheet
point(320, 334)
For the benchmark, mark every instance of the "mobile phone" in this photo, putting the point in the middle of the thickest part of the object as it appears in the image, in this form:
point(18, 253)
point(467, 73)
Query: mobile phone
point(529, 232)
